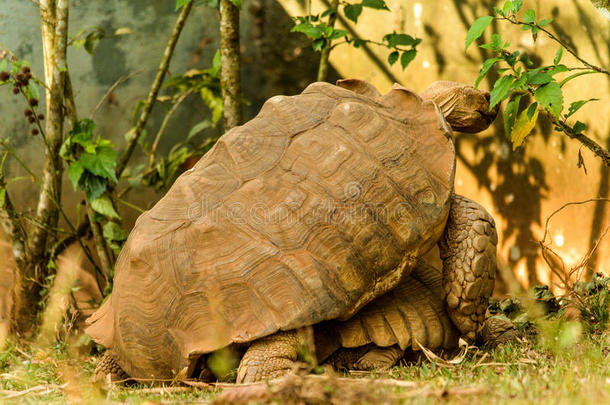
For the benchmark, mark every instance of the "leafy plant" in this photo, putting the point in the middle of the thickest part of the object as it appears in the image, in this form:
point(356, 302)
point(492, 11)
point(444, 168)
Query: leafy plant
point(520, 80)
point(320, 29)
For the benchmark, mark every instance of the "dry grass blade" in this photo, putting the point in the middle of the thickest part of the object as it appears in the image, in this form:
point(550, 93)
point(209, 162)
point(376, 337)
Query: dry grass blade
point(458, 359)
point(38, 390)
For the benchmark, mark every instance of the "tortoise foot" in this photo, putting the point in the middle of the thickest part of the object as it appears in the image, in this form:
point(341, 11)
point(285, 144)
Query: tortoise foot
point(271, 357)
point(379, 358)
point(109, 368)
point(468, 250)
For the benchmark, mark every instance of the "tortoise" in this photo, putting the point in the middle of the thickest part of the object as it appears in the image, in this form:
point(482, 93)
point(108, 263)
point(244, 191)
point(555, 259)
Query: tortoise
point(306, 213)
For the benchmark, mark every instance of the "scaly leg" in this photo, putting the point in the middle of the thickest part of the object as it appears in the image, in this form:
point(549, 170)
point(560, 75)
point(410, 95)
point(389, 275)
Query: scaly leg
point(272, 356)
point(108, 366)
point(468, 250)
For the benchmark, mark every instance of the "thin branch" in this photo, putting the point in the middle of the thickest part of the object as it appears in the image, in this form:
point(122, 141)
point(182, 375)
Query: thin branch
point(548, 219)
point(560, 42)
point(100, 245)
point(323, 67)
point(120, 81)
point(367, 50)
point(154, 91)
point(155, 144)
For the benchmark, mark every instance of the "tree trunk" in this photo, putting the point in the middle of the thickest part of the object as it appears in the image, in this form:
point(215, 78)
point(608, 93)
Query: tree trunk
point(33, 270)
point(230, 79)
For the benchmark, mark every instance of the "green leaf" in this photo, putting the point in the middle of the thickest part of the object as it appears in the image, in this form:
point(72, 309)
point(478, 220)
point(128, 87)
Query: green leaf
point(377, 4)
point(392, 57)
point(579, 127)
point(104, 206)
point(477, 29)
point(522, 128)
point(531, 110)
point(486, 66)
point(197, 128)
point(358, 42)
point(576, 105)
point(353, 11)
point(510, 114)
point(529, 16)
point(313, 32)
point(181, 3)
point(517, 4)
point(75, 171)
point(236, 3)
point(215, 64)
point(113, 232)
point(557, 69)
point(93, 185)
point(407, 57)
point(545, 22)
point(2, 197)
point(536, 78)
point(500, 91)
point(558, 55)
point(319, 44)
point(395, 40)
point(550, 97)
point(337, 34)
point(575, 75)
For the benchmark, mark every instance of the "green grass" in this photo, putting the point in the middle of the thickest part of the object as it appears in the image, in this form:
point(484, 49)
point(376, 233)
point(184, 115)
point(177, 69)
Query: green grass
point(545, 369)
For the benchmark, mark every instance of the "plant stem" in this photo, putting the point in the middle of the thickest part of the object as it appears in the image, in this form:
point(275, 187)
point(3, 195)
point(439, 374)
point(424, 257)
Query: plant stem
point(154, 91)
point(100, 245)
point(323, 68)
point(560, 42)
point(230, 69)
point(155, 144)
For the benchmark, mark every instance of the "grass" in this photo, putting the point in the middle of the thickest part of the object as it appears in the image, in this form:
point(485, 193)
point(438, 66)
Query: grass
point(547, 368)
point(560, 358)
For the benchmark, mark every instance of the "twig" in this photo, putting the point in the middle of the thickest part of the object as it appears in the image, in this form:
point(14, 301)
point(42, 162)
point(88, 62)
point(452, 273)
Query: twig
point(169, 114)
point(560, 42)
point(38, 389)
point(120, 81)
point(154, 91)
point(546, 224)
point(100, 245)
point(367, 50)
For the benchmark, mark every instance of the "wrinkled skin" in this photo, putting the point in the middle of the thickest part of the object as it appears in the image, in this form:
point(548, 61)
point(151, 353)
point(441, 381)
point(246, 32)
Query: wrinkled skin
point(465, 108)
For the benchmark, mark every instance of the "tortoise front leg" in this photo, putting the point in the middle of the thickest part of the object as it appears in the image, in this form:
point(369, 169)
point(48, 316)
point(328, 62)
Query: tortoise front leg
point(468, 250)
point(108, 366)
point(272, 356)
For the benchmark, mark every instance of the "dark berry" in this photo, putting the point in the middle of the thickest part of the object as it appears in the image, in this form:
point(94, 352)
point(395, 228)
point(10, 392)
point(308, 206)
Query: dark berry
point(15, 90)
point(33, 102)
point(34, 131)
point(31, 120)
point(28, 76)
point(25, 69)
point(41, 117)
point(20, 77)
point(28, 112)
point(4, 76)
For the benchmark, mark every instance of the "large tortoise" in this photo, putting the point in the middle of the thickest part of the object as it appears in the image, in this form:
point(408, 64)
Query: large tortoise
point(306, 213)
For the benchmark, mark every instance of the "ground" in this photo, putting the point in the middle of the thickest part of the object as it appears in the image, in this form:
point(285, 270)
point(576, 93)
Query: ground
point(560, 362)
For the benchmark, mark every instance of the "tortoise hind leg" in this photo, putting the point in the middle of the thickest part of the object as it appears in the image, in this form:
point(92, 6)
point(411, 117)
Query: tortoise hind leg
point(366, 358)
point(272, 356)
point(468, 250)
point(108, 366)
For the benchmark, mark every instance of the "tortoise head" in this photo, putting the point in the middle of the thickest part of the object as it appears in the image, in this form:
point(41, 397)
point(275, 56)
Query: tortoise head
point(465, 108)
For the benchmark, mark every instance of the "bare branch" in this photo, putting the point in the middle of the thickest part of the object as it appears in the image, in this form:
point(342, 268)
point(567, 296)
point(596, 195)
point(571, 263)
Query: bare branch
point(121, 80)
point(323, 68)
point(154, 91)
